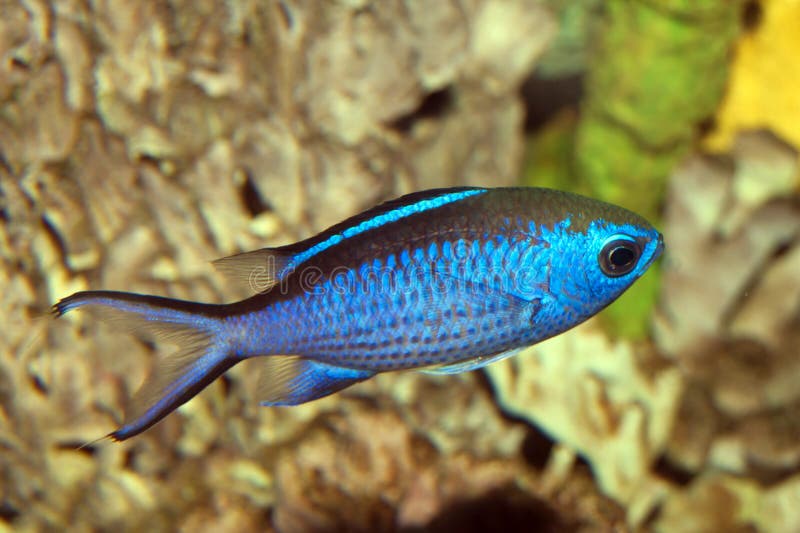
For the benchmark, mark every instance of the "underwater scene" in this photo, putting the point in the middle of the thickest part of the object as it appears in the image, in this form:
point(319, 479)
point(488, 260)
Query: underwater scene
point(400, 266)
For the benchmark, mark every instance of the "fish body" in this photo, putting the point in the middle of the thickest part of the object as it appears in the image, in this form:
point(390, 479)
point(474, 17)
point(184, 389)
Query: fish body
point(444, 281)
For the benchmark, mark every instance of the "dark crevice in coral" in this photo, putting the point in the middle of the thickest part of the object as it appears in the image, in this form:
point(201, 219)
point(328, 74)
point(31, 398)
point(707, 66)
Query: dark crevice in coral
point(544, 98)
point(508, 510)
point(5, 165)
point(268, 515)
point(537, 445)
point(286, 15)
point(672, 472)
point(151, 160)
point(651, 519)
point(129, 462)
point(5, 168)
point(483, 382)
point(8, 513)
point(536, 448)
point(17, 62)
point(752, 15)
point(252, 199)
point(56, 239)
point(6, 392)
point(3, 199)
point(433, 106)
point(582, 465)
point(769, 476)
point(38, 384)
point(782, 249)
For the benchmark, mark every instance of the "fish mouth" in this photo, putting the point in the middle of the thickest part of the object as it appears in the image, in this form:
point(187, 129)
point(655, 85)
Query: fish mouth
point(644, 242)
point(658, 251)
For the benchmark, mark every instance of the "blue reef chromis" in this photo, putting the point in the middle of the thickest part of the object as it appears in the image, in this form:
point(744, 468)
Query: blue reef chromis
point(442, 281)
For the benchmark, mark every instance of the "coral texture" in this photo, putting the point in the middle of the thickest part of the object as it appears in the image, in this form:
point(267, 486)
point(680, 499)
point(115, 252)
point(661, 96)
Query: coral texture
point(707, 418)
point(643, 107)
point(139, 141)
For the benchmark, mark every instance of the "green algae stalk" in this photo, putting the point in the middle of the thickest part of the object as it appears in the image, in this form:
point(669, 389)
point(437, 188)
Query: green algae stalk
point(658, 71)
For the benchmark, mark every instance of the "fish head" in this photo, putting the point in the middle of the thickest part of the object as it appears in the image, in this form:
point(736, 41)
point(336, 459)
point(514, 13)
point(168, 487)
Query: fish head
point(593, 264)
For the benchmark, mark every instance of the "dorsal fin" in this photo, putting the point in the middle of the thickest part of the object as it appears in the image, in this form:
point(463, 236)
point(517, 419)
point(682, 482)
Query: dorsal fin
point(261, 269)
point(258, 270)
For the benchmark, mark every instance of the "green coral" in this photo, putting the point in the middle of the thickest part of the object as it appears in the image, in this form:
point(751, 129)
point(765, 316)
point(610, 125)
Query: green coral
point(658, 69)
point(567, 53)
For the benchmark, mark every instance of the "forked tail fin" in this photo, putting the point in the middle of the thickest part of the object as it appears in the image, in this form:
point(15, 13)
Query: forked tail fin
point(198, 330)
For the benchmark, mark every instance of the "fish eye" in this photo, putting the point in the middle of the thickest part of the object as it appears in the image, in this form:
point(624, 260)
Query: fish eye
point(619, 256)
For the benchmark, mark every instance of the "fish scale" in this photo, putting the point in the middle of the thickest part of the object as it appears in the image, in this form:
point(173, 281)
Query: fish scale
point(444, 281)
point(345, 311)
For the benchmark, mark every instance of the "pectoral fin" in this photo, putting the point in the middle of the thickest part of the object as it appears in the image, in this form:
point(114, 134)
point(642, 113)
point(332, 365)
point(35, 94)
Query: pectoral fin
point(472, 364)
point(504, 305)
point(481, 297)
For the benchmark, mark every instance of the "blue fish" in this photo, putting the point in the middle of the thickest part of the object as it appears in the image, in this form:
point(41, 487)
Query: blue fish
point(444, 281)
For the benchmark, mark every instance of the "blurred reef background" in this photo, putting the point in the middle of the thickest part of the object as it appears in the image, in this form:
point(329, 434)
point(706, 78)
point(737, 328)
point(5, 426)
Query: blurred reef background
point(140, 140)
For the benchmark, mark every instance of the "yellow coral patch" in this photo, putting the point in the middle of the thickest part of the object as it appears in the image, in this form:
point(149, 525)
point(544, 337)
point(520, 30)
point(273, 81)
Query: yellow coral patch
point(765, 79)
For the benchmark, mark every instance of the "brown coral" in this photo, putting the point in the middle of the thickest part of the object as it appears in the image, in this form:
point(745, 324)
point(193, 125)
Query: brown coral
point(139, 140)
point(728, 318)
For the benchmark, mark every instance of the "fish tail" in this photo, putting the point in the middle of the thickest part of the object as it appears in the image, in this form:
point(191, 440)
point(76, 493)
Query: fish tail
point(197, 328)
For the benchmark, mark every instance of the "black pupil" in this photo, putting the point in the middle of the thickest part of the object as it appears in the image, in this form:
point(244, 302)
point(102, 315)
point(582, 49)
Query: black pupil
point(621, 256)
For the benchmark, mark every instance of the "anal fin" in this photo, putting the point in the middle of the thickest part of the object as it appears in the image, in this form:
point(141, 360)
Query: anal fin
point(292, 380)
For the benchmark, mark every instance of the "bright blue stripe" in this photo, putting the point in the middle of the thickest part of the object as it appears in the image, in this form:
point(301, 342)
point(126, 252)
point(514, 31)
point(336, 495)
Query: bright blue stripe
point(386, 218)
